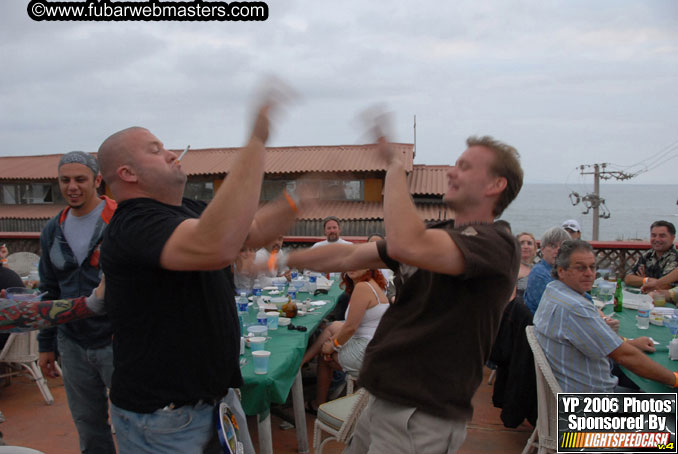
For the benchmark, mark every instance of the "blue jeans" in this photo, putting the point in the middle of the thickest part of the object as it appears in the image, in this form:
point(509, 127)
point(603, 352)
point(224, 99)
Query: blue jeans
point(182, 430)
point(87, 375)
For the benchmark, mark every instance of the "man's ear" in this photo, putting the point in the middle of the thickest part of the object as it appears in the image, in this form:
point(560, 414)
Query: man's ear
point(497, 186)
point(561, 271)
point(127, 174)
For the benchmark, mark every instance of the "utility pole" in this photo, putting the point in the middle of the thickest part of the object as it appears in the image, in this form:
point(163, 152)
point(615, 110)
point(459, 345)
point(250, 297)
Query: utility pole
point(594, 201)
point(414, 127)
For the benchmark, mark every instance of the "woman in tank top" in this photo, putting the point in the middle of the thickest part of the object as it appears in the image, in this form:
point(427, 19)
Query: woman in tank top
point(528, 253)
point(342, 345)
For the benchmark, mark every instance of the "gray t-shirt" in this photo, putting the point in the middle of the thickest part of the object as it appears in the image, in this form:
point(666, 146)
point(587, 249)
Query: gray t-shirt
point(78, 230)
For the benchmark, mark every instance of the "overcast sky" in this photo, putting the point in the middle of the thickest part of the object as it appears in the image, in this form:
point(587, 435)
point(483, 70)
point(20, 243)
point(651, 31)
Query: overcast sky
point(566, 82)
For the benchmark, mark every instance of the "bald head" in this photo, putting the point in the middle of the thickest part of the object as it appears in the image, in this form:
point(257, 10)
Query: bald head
point(116, 151)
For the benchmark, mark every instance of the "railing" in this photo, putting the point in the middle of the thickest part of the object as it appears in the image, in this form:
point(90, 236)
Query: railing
point(618, 256)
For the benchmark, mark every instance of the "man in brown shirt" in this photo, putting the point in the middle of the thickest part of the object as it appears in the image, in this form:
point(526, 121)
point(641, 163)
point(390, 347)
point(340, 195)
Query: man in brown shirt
point(426, 359)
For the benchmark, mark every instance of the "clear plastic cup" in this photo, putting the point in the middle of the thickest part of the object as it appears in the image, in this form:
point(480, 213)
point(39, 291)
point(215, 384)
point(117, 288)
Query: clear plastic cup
point(659, 300)
point(272, 320)
point(642, 322)
point(261, 358)
point(21, 294)
point(257, 343)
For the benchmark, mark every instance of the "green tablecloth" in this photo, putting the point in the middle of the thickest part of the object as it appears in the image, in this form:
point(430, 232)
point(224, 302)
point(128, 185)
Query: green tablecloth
point(661, 334)
point(287, 348)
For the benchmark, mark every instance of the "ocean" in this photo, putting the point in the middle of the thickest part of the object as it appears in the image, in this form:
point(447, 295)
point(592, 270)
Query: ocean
point(632, 207)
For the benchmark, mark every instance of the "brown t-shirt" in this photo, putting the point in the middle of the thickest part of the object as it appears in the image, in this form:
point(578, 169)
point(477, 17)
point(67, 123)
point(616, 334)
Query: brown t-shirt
point(431, 344)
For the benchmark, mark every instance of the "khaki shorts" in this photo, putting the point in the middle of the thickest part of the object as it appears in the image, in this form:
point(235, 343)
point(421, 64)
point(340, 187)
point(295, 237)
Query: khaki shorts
point(388, 428)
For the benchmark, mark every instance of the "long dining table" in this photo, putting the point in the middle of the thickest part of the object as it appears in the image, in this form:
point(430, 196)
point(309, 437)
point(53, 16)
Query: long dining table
point(661, 334)
point(287, 349)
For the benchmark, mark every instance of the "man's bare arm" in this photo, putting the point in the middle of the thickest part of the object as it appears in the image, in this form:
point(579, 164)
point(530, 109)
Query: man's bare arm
point(634, 280)
point(337, 257)
point(663, 283)
point(214, 240)
point(409, 241)
point(637, 362)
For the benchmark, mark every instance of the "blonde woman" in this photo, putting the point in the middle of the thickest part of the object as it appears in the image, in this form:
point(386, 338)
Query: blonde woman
point(528, 251)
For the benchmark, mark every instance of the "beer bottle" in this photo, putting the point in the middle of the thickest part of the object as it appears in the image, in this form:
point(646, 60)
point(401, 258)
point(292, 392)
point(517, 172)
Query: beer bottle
point(618, 297)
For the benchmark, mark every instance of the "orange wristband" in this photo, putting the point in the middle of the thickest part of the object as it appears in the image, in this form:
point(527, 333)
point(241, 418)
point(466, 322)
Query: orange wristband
point(273, 261)
point(290, 200)
point(336, 344)
point(675, 385)
point(645, 280)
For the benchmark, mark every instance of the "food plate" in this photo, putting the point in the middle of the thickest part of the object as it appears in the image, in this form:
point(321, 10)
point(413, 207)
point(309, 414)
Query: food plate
point(269, 288)
point(264, 298)
point(319, 303)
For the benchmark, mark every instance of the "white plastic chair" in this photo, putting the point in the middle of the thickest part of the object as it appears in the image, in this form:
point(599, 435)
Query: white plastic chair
point(545, 435)
point(338, 418)
point(350, 383)
point(18, 450)
point(21, 350)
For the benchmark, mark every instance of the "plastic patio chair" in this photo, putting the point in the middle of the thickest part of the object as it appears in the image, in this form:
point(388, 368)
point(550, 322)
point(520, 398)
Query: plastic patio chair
point(21, 350)
point(545, 435)
point(338, 418)
point(350, 383)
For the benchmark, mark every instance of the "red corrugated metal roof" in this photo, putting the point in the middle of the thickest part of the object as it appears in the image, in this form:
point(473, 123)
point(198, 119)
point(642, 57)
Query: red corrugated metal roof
point(370, 210)
point(281, 160)
point(341, 209)
point(29, 211)
point(428, 180)
point(211, 161)
point(29, 167)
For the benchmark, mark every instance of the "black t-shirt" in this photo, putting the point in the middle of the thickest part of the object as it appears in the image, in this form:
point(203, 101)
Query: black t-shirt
point(176, 333)
point(9, 278)
point(431, 344)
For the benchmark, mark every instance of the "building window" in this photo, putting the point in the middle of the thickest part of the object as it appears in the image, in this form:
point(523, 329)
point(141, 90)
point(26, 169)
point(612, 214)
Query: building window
point(199, 190)
point(9, 194)
point(271, 189)
point(27, 193)
point(324, 189)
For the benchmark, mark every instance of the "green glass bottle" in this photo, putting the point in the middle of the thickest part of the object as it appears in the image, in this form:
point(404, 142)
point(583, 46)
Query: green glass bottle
point(618, 297)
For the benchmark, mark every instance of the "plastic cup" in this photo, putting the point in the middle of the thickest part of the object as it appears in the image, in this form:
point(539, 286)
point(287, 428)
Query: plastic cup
point(659, 300)
point(21, 294)
point(261, 361)
point(257, 343)
point(258, 330)
point(272, 320)
point(642, 322)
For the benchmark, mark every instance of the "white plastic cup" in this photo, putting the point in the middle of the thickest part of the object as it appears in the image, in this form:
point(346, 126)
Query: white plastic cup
point(643, 315)
point(272, 320)
point(21, 294)
point(261, 361)
point(258, 330)
point(642, 322)
point(257, 343)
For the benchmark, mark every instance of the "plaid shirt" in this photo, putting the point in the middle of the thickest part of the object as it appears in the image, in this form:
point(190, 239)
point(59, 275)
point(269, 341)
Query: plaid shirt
point(656, 267)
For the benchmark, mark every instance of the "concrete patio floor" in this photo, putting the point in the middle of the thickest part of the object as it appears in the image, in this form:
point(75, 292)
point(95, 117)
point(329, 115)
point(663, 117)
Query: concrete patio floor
point(50, 429)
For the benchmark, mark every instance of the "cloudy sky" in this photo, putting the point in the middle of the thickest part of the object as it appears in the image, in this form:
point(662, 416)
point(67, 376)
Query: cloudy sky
point(566, 82)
